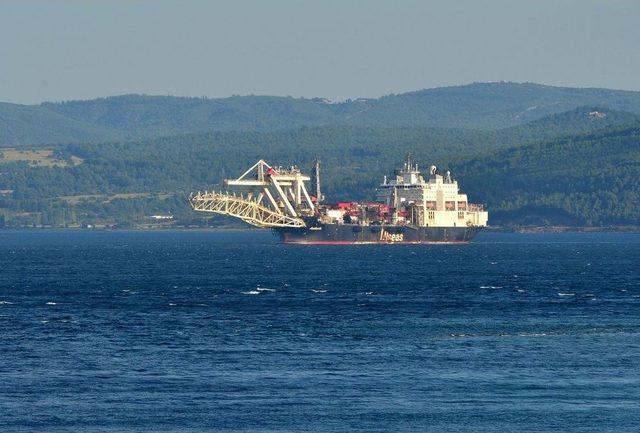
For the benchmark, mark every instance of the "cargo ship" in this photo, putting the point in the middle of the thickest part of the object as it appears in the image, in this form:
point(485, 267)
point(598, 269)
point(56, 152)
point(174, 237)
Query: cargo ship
point(410, 208)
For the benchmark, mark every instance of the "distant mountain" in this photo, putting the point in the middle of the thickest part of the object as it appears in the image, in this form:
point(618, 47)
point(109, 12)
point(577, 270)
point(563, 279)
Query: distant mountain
point(486, 106)
point(492, 105)
point(28, 125)
point(152, 116)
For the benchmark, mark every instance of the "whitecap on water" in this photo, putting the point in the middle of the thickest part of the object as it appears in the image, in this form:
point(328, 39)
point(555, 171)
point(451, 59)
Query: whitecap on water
point(491, 287)
point(318, 291)
point(264, 289)
point(565, 294)
point(520, 291)
point(51, 303)
point(5, 303)
point(251, 292)
point(532, 334)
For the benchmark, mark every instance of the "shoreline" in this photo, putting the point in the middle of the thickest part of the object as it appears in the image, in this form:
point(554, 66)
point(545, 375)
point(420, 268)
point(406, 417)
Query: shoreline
point(492, 229)
point(563, 229)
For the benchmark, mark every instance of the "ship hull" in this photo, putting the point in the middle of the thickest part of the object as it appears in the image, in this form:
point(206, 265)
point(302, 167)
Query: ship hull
point(345, 234)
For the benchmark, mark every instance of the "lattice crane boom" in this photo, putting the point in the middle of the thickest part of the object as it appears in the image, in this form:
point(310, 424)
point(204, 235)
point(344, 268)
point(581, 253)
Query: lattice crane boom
point(278, 197)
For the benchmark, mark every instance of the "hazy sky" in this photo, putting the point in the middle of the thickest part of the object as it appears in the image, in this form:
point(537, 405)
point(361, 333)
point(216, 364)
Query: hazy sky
point(58, 50)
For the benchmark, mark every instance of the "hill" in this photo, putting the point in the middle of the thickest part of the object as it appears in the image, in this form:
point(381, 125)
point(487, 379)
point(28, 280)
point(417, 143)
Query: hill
point(153, 116)
point(497, 105)
point(487, 106)
point(27, 125)
point(354, 157)
point(581, 120)
point(585, 178)
point(589, 179)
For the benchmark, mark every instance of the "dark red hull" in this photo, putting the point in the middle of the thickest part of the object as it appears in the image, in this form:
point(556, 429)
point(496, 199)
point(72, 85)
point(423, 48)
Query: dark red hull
point(347, 234)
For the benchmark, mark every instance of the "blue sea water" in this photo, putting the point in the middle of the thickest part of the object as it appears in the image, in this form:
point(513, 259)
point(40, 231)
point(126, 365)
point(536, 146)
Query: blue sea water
point(230, 331)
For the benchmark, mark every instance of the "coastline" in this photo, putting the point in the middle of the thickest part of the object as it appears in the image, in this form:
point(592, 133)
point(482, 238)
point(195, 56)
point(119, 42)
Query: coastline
point(494, 229)
point(563, 229)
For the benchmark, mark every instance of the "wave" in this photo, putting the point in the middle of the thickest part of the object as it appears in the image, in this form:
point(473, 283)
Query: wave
point(52, 303)
point(251, 292)
point(318, 291)
point(491, 287)
point(5, 303)
point(566, 294)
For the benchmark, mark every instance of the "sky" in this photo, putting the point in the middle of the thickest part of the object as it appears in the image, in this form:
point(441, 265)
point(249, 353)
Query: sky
point(65, 50)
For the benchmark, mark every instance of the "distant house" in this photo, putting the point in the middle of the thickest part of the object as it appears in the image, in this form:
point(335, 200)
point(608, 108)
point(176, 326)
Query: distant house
point(161, 217)
point(597, 114)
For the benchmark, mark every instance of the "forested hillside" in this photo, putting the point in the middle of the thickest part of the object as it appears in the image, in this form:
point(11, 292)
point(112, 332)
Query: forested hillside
point(487, 106)
point(588, 180)
point(354, 157)
point(579, 168)
point(582, 120)
point(490, 105)
point(24, 125)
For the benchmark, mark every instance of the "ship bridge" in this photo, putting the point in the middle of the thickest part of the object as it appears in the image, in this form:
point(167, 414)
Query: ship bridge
point(273, 197)
point(435, 201)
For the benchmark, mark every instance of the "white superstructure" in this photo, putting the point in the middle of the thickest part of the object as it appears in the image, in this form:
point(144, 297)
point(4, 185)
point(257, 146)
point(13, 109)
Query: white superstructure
point(432, 202)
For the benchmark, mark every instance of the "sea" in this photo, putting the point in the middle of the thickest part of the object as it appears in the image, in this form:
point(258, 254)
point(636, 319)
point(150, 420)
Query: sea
point(230, 331)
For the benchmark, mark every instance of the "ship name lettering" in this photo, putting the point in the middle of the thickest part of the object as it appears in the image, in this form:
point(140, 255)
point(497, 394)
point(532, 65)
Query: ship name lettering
point(391, 237)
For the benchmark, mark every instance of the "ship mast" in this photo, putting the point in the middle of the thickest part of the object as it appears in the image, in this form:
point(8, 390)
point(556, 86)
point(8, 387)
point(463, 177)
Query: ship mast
point(316, 178)
point(408, 162)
